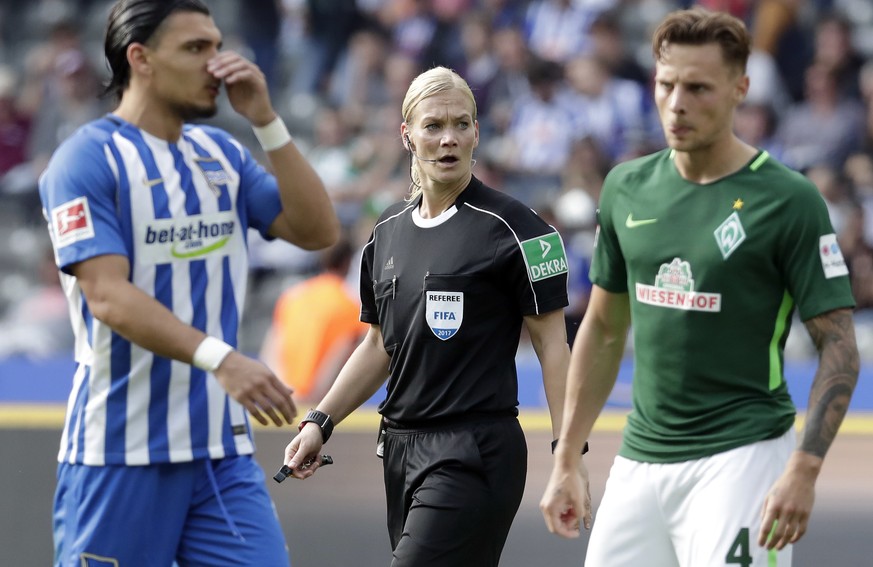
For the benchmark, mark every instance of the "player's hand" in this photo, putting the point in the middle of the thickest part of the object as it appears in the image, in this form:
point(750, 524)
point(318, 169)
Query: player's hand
point(253, 385)
point(566, 502)
point(302, 453)
point(245, 84)
point(789, 502)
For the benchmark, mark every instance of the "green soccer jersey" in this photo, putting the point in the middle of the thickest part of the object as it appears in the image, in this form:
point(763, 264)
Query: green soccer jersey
point(713, 273)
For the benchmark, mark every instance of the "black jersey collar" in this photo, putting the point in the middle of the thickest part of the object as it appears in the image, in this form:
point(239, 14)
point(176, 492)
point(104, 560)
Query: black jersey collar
point(472, 187)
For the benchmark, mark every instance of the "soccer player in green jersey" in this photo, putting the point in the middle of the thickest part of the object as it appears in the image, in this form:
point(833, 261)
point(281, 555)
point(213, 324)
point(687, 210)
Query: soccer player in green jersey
point(707, 248)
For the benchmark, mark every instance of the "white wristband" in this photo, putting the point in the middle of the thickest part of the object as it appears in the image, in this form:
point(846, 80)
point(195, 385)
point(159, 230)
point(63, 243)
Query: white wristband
point(210, 354)
point(272, 136)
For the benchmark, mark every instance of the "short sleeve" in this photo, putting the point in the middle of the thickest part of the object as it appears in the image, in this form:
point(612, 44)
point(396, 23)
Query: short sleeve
point(78, 192)
point(608, 269)
point(814, 267)
point(369, 313)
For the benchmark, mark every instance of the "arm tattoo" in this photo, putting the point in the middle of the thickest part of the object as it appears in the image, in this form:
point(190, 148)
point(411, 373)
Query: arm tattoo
point(833, 334)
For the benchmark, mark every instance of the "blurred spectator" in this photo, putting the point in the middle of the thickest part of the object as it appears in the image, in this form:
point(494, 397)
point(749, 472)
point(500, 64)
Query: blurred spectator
point(38, 325)
point(412, 26)
point(358, 83)
point(587, 168)
point(315, 327)
point(260, 22)
point(610, 47)
point(574, 213)
point(557, 30)
point(615, 112)
point(823, 129)
point(779, 46)
point(865, 83)
point(71, 100)
point(445, 47)
point(836, 193)
point(480, 66)
point(536, 146)
point(766, 86)
point(859, 257)
point(332, 158)
point(41, 61)
point(833, 48)
point(14, 124)
point(503, 13)
point(859, 170)
point(510, 84)
point(328, 26)
point(755, 124)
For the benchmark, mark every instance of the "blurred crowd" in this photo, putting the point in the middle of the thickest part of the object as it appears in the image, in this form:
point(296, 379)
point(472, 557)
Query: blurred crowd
point(563, 90)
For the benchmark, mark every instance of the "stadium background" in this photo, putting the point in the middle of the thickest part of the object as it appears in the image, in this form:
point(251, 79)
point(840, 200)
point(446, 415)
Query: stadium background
point(338, 69)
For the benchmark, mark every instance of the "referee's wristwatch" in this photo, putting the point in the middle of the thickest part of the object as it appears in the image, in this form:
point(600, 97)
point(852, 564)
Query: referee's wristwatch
point(321, 419)
point(555, 446)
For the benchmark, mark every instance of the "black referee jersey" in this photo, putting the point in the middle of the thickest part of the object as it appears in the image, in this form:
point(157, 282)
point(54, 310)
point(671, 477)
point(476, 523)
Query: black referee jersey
point(449, 294)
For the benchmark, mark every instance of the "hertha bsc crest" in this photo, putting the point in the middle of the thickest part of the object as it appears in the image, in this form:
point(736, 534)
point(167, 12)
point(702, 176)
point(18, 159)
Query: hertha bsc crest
point(445, 312)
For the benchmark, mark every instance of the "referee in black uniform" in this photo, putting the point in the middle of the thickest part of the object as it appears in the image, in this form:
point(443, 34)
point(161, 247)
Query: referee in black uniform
point(447, 279)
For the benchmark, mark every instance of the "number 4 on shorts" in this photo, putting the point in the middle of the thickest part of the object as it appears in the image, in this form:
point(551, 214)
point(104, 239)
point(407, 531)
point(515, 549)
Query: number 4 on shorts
point(739, 554)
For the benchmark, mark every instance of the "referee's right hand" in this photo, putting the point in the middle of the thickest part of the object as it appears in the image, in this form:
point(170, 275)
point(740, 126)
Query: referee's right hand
point(302, 453)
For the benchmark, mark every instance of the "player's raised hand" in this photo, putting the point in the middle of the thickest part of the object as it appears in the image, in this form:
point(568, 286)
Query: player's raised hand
point(246, 86)
point(254, 386)
point(566, 503)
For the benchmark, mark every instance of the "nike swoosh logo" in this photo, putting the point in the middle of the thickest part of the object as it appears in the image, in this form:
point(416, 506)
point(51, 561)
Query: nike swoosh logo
point(631, 223)
point(152, 182)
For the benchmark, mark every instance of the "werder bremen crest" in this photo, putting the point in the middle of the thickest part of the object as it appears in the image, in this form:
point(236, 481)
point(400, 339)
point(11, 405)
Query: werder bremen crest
point(729, 235)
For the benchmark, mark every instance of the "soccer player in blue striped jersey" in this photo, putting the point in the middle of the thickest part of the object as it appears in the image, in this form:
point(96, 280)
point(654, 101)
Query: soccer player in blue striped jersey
point(706, 249)
point(148, 215)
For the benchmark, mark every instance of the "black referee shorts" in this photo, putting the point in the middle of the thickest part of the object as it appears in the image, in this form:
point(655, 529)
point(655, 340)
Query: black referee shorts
point(453, 491)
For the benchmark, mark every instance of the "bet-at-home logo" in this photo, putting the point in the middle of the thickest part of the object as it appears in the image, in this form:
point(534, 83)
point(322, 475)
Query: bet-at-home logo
point(544, 256)
point(674, 289)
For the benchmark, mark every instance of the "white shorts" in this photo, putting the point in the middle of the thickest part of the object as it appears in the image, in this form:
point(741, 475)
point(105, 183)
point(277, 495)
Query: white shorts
point(701, 513)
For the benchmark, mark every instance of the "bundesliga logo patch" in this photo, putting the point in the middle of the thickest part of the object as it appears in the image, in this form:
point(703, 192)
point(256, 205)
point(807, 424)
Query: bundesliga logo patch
point(71, 222)
point(832, 260)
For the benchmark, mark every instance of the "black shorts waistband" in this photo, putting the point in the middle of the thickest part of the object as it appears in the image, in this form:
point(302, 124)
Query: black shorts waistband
point(449, 421)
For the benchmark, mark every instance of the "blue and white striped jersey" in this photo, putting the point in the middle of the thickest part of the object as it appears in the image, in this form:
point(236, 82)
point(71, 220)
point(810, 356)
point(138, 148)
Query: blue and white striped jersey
point(179, 212)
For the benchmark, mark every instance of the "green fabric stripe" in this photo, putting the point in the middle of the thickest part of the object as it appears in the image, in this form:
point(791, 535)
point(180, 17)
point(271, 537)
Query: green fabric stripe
point(772, 554)
point(778, 332)
point(765, 155)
